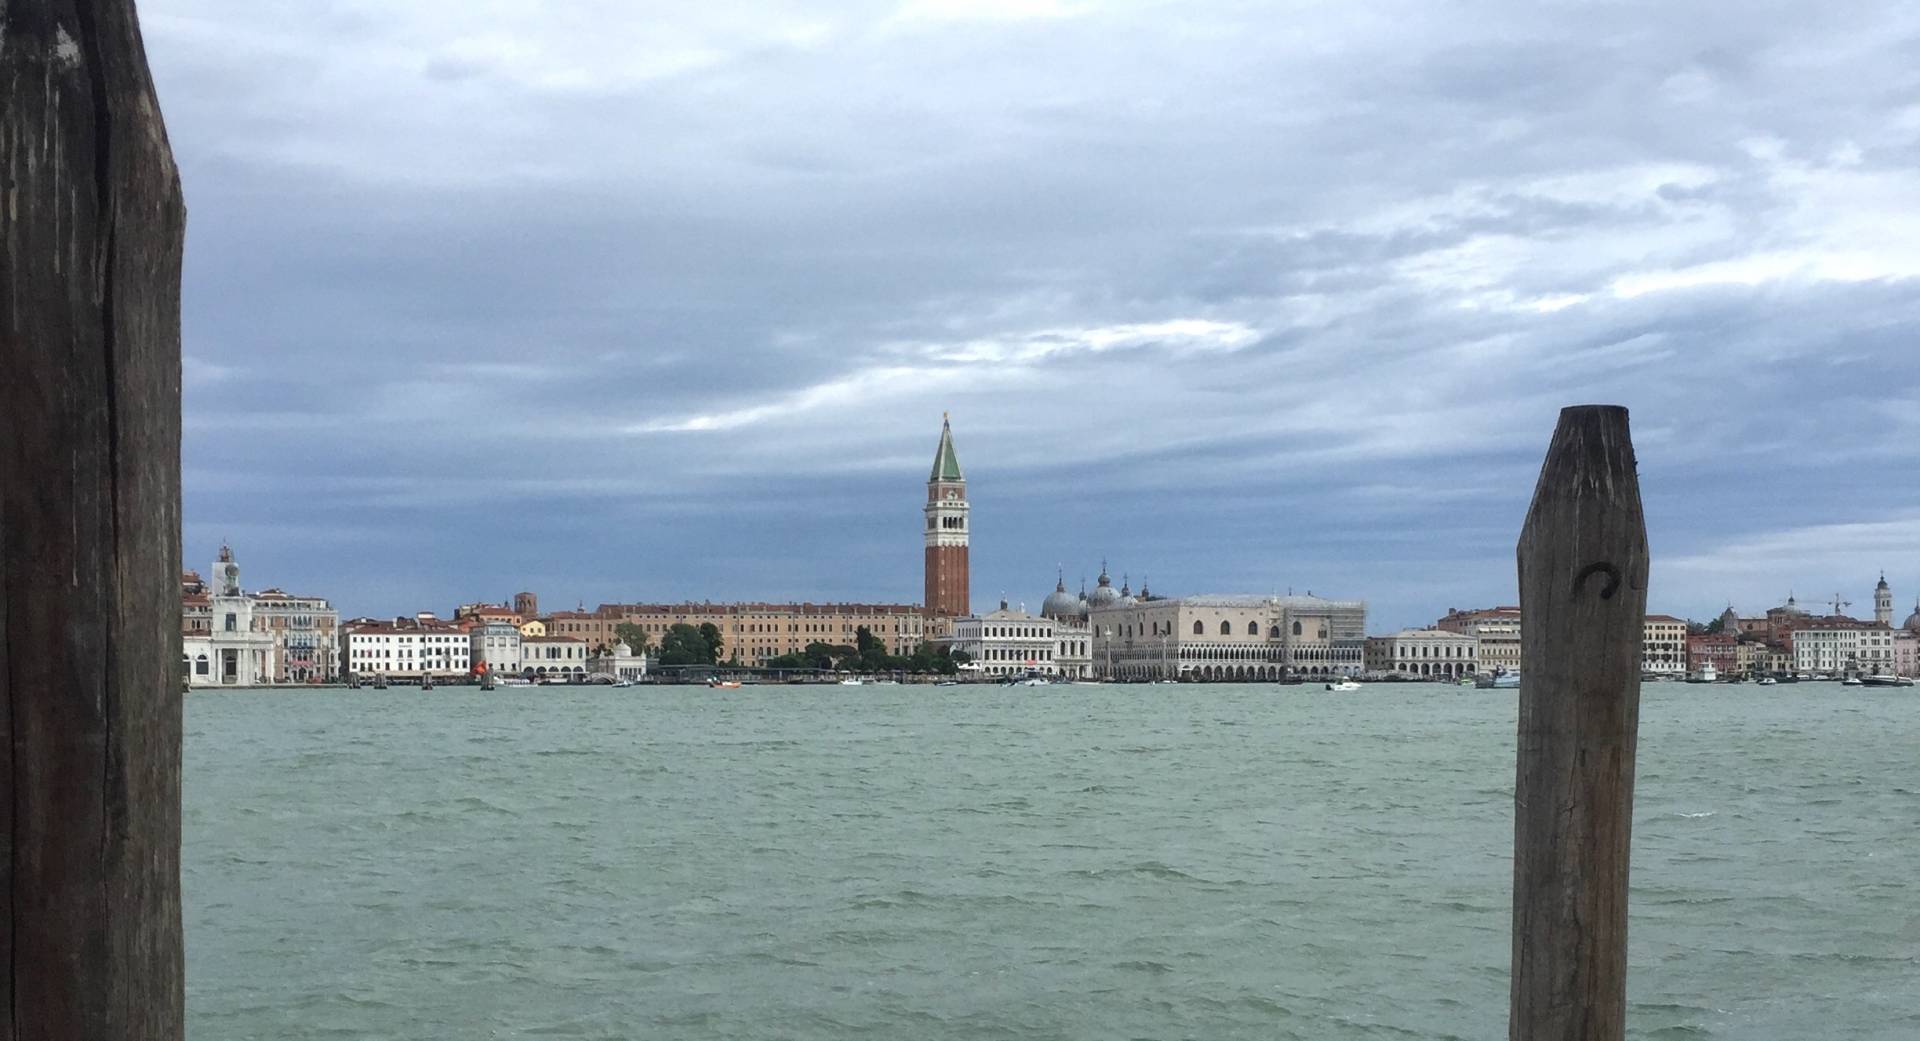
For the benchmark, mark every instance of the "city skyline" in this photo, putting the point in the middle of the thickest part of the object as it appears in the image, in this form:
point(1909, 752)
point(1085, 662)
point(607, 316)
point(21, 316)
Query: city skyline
point(478, 301)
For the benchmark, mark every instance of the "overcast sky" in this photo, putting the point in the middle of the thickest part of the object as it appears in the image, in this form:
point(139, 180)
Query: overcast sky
point(650, 301)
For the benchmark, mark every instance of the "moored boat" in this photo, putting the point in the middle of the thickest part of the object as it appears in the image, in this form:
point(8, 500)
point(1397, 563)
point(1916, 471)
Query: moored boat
point(1342, 685)
point(1881, 679)
point(1706, 673)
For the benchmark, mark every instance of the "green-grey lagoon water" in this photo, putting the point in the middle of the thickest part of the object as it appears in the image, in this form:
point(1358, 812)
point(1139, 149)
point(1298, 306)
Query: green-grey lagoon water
point(1064, 862)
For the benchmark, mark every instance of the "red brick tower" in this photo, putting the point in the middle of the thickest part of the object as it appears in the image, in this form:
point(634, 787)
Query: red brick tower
point(948, 592)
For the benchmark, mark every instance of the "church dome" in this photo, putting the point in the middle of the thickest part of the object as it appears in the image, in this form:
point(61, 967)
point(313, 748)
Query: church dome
point(1103, 592)
point(1913, 620)
point(1060, 603)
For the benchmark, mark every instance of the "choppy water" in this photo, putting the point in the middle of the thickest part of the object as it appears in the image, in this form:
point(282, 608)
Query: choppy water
point(1067, 862)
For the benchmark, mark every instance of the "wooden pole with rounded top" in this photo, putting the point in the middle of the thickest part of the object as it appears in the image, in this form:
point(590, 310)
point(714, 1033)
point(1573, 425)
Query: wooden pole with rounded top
point(1583, 598)
point(92, 218)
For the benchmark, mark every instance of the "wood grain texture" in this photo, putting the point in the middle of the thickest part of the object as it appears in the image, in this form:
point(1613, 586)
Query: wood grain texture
point(90, 942)
point(1583, 597)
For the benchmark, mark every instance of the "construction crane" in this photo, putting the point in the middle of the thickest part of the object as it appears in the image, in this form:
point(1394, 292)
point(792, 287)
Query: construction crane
point(1840, 606)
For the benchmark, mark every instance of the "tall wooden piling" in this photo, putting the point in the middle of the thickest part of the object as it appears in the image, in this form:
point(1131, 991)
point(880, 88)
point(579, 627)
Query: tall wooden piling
point(90, 943)
point(1583, 596)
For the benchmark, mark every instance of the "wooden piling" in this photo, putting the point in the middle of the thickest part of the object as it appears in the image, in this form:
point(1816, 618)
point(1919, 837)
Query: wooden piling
point(1583, 598)
point(90, 943)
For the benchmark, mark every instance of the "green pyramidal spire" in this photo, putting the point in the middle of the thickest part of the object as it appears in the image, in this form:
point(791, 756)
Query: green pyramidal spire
point(946, 465)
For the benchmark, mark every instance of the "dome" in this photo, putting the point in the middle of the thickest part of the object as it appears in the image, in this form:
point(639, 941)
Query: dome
point(1913, 620)
point(1103, 593)
point(621, 650)
point(1126, 592)
point(1060, 603)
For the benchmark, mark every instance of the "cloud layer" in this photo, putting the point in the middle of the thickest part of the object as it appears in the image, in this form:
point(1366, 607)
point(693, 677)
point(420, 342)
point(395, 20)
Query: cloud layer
point(616, 300)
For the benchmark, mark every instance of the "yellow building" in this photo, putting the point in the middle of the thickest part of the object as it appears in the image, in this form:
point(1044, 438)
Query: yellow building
point(533, 627)
point(751, 633)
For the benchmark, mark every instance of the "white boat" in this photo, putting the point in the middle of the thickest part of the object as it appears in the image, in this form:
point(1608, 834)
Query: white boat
point(623, 683)
point(1030, 680)
point(1498, 679)
point(1853, 681)
point(1342, 685)
point(1881, 679)
point(1768, 681)
point(853, 681)
point(1706, 673)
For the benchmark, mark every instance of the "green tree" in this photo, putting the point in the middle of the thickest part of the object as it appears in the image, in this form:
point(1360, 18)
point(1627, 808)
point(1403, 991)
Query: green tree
point(1718, 625)
point(711, 634)
point(686, 645)
point(633, 636)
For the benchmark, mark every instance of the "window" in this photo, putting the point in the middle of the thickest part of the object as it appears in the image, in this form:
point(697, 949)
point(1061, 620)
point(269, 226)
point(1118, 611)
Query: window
point(1253, 628)
point(1197, 630)
point(1296, 628)
point(1226, 628)
point(233, 621)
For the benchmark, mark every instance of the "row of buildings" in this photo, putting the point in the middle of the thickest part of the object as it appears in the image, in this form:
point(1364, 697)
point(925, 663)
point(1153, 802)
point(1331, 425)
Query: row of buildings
point(232, 637)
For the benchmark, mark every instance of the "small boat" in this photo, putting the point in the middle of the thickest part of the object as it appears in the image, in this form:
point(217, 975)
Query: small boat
point(623, 683)
point(1342, 685)
point(724, 684)
point(1498, 679)
point(1032, 679)
point(853, 681)
point(1853, 681)
point(946, 683)
point(1768, 681)
point(1706, 673)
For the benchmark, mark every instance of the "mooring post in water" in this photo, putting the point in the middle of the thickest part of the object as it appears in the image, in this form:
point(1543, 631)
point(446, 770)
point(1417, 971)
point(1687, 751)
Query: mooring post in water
point(92, 219)
point(1583, 598)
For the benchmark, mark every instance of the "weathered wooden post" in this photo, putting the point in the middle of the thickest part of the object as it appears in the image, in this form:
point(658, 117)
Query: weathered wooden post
point(1583, 598)
point(90, 941)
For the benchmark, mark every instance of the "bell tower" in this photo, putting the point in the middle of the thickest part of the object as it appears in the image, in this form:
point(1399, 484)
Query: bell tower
point(1883, 602)
point(948, 593)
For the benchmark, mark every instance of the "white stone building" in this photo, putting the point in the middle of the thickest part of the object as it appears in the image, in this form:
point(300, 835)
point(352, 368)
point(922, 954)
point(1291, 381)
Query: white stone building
point(1862, 651)
point(497, 644)
point(1228, 637)
point(553, 657)
point(224, 641)
point(1006, 642)
point(1663, 645)
point(620, 663)
point(1424, 653)
point(406, 649)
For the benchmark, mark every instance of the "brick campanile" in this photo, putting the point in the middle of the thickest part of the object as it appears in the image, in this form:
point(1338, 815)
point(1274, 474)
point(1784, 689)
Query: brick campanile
point(948, 591)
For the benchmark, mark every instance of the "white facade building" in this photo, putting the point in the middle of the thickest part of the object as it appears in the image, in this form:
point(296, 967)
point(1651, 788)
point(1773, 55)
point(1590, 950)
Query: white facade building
point(1424, 653)
point(1663, 645)
point(553, 657)
point(1007, 642)
point(620, 663)
point(497, 644)
point(1862, 651)
point(406, 648)
point(223, 642)
point(1228, 638)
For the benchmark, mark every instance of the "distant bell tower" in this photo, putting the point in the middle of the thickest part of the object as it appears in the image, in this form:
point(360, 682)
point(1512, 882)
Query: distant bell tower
point(1883, 602)
point(948, 591)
